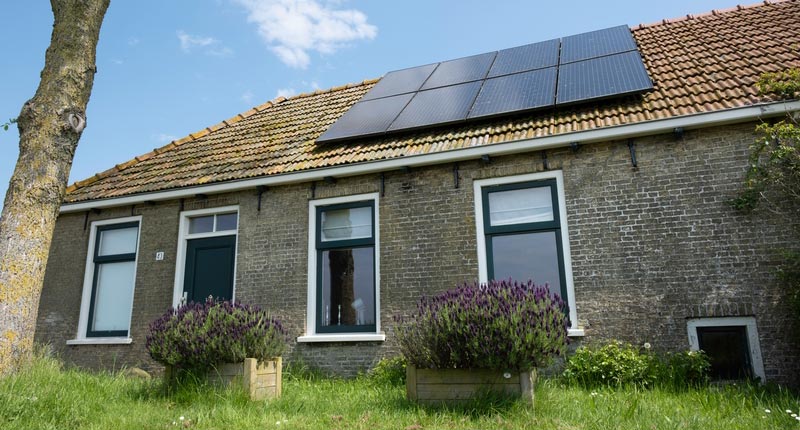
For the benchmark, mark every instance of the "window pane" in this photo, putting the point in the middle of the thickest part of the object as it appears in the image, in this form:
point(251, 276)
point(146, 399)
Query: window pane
point(227, 222)
point(520, 206)
point(527, 256)
point(201, 224)
point(118, 241)
point(113, 296)
point(355, 223)
point(348, 287)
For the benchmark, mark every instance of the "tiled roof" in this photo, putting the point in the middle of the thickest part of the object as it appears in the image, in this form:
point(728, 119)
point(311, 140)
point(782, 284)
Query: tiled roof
point(698, 64)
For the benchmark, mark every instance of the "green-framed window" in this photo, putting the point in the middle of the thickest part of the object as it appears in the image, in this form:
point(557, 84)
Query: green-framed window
point(111, 299)
point(345, 252)
point(522, 228)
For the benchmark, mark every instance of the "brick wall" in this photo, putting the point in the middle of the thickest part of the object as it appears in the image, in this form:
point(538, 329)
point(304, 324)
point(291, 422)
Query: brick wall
point(651, 247)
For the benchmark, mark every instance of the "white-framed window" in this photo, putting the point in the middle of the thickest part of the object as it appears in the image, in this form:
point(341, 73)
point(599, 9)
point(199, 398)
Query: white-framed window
point(731, 344)
point(522, 233)
point(205, 263)
point(109, 282)
point(343, 270)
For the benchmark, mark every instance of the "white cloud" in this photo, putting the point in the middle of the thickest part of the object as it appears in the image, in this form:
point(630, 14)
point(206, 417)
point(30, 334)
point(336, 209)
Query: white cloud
point(247, 97)
point(164, 138)
point(293, 28)
point(132, 41)
point(285, 92)
point(209, 45)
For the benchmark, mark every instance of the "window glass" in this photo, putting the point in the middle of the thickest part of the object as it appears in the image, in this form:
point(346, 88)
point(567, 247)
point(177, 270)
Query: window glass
point(227, 222)
point(348, 287)
point(118, 241)
point(527, 256)
point(520, 206)
point(113, 296)
point(343, 224)
point(201, 224)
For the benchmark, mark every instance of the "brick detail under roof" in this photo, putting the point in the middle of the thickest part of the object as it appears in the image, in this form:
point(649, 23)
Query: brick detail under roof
point(698, 63)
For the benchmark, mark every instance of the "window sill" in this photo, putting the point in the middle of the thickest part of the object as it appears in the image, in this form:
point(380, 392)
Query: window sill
point(101, 341)
point(575, 332)
point(365, 337)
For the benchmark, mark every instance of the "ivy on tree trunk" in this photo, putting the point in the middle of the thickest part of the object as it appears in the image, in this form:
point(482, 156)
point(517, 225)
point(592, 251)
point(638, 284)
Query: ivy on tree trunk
point(50, 125)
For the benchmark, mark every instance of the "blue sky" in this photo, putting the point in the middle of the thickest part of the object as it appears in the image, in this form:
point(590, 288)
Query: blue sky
point(170, 68)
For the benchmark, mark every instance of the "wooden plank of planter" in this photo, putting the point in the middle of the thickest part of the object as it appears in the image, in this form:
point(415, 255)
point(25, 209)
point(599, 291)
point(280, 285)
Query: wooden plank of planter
point(458, 385)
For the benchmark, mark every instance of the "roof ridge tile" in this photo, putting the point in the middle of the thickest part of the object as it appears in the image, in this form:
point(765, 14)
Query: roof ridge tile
point(713, 12)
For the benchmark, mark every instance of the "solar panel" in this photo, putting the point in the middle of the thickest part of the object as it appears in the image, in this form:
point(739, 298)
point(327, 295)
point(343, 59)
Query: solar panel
point(400, 82)
point(461, 70)
point(517, 92)
point(587, 66)
point(438, 106)
point(596, 44)
point(524, 58)
point(366, 118)
point(602, 77)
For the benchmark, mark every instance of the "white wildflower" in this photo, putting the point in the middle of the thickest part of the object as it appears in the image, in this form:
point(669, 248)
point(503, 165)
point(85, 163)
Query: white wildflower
point(647, 345)
point(767, 411)
point(181, 418)
point(788, 411)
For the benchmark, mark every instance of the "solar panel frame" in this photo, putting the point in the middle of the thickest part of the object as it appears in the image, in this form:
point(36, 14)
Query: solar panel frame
point(460, 70)
point(518, 92)
point(602, 77)
point(437, 106)
point(524, 58)
point(366, 118)
point(400, 82)
point(597, 43)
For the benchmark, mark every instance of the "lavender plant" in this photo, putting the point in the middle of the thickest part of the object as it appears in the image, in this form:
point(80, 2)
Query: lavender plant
point(198, 336)
point(503, 325)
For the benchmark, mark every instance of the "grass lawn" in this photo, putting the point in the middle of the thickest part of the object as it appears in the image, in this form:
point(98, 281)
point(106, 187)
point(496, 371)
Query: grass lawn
point(48, 397)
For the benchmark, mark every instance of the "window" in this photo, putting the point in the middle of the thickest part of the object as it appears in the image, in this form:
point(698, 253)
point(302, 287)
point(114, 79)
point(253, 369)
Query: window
point(731, 344)
point(522, 233)
point(343, 270)
point(109, 280)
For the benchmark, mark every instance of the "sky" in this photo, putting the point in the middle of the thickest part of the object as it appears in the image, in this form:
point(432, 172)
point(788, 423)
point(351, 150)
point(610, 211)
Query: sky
point(170, 68)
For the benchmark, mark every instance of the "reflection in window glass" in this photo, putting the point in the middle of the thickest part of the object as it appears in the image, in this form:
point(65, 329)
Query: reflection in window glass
point(343, 224)
point(527, 256)
point(118, 241)
point(201, 224)
point(520, 206)
point(227, 222)
point(113, 296)
point(348, 287)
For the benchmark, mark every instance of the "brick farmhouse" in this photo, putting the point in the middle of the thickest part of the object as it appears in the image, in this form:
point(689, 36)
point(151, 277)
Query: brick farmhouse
point(633, 223)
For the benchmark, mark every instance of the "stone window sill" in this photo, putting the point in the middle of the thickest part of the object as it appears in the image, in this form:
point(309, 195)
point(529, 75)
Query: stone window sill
point(575, 332)
point(101, 341)
point(360, 337)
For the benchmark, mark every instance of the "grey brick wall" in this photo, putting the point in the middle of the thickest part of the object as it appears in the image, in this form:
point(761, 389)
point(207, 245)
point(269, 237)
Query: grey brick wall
point(651, 247)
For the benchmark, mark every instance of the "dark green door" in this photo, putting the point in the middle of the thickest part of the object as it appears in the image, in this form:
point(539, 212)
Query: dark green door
point(209, 268)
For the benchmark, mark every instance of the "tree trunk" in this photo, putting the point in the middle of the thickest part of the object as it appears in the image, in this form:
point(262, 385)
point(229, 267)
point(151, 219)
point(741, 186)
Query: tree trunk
point(50, 125)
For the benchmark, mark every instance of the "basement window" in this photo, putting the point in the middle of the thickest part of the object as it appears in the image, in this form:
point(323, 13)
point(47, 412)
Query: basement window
point(731, 344)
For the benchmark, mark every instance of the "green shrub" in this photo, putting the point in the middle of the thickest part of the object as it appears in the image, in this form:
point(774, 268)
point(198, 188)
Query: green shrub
point(686, 368)
point(619, 364)
point(390, 371)
point(199, 336)
point(503, 325)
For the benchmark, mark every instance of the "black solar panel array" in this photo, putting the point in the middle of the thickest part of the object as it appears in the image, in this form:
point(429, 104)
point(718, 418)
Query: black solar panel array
point(587, 66)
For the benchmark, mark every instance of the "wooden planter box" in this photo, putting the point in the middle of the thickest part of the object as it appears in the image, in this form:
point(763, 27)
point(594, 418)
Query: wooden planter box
point(449, 386)
point(262, 380)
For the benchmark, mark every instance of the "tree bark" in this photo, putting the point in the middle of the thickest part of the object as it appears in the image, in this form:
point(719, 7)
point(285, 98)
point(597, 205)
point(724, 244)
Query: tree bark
point(50, 125)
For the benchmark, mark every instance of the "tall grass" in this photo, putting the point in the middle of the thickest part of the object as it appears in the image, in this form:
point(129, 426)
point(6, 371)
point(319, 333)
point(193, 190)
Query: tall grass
point(48, 396)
